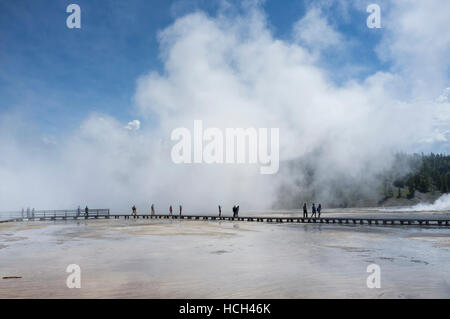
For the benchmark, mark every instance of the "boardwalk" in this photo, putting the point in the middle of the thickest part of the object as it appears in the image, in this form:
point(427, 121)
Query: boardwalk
point(54, 215)
point(105, 214)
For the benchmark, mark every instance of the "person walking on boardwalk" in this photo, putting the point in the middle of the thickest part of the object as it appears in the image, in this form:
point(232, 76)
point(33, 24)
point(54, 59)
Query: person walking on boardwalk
point(134, 210)
point(319, 208)
point(313, 210)
point(234, 211)
point(181, 209)
point(305, 211)
point(220, 211)
point(170, 210)
point(86, 212)
point(153, 209)
point(237, 211)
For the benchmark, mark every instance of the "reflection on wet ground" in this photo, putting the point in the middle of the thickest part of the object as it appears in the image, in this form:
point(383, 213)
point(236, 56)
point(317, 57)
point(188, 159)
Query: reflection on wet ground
point(201, 259)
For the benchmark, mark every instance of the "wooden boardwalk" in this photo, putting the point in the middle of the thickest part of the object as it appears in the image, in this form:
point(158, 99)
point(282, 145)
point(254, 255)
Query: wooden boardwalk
point(322, 220)
point(105, 214)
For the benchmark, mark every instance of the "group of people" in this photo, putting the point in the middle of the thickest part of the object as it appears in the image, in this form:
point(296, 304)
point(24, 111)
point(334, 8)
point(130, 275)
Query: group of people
point(152, 210)
point(171, 209)
point(315, 211)
point(86, 211)
point(235, 210)
point(29, 214)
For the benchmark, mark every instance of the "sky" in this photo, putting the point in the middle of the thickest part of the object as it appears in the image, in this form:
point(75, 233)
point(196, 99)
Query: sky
point(98, 103)
point(55, 76)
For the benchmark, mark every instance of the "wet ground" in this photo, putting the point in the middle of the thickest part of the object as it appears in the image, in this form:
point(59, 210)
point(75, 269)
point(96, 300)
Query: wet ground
point(204, 259)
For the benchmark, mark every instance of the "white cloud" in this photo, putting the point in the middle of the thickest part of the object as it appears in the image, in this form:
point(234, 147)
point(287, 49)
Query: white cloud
point(49, 140)
point(436, 137)
point(417, 42)
point(133, 125)
point(314, 31)
point(444, 97)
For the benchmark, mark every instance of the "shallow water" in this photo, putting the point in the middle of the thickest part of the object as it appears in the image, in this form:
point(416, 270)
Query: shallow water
point(204, 259)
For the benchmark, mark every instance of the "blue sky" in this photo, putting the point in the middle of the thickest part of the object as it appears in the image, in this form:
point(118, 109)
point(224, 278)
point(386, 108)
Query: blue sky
point(54, 76)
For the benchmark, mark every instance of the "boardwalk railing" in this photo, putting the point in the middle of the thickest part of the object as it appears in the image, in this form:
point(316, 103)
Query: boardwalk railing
point(55, 214)
point(75, 213)
point(8, 216)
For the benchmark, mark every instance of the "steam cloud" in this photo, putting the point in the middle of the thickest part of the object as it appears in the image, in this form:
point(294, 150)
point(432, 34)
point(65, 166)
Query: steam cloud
point(231, 71)
point(440, 204)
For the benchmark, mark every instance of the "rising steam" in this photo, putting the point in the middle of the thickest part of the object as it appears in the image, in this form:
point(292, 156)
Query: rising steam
point(231, 71)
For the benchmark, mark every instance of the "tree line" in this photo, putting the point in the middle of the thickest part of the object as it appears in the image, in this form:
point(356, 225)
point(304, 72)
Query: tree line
point(406, 175)
point(427, 173)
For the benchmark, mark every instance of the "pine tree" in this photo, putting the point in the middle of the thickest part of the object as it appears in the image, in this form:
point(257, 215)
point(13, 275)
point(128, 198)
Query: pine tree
point(390, 191)
point(438, 182)
point(411, 187)
point(445, 183)
point(400, 183)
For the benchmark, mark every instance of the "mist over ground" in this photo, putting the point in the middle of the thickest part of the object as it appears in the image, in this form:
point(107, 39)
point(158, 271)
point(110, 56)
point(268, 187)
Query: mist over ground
point(440, 204)
point(230, 71)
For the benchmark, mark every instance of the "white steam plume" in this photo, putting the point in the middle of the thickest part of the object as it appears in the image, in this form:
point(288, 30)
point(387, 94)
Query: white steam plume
point(229, 71)
point(440, 204)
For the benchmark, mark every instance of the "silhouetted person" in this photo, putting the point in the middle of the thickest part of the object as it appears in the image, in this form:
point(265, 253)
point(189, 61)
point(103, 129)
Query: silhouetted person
point(153, 209)
point(234, 211)
point(78, 211)
point(170, 209)
point(313, 210)
point(86, 212)
point(220, 211)
point(305, 211)
point(319, 208)
point(134, 210)
point(237, 211)
point(181, 209)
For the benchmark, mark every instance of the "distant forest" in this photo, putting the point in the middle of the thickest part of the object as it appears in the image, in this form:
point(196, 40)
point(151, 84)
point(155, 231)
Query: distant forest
point(429, 173)
point(412, 178)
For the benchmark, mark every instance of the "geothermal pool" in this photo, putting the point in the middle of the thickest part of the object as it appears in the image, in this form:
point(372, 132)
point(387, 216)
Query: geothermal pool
point(203, 259)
